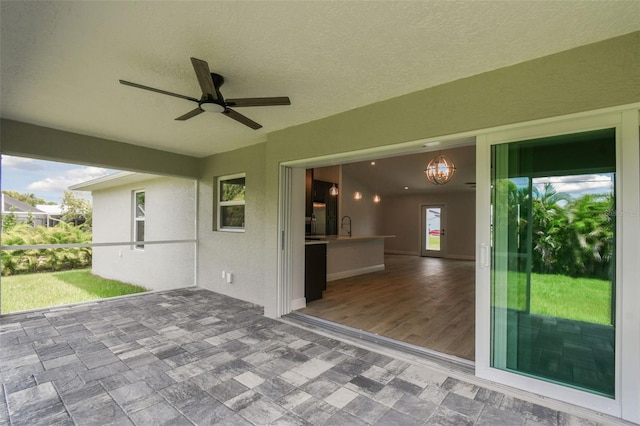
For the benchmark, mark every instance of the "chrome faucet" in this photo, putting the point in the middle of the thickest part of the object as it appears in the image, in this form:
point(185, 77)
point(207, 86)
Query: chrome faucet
point(342, 224)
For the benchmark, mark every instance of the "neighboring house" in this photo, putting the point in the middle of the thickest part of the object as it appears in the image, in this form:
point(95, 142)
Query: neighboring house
point(40, 215)
point(143, 208)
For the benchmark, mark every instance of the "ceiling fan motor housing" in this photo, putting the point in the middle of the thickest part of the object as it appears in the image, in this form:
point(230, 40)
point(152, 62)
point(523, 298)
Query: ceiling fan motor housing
point(214, 105)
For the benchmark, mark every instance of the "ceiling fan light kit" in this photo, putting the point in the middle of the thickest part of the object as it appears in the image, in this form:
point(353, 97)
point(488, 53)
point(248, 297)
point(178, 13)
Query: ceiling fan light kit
point(211, 107)
point(212, 99)
point(440, 170)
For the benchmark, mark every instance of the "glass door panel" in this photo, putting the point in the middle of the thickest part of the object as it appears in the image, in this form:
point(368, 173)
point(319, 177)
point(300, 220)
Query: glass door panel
point(433, 231)
point(553, 259)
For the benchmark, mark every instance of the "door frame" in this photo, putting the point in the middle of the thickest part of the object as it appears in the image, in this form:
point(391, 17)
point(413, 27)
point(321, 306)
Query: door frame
point(627, 230)
point(443, 226)
point(628, 246)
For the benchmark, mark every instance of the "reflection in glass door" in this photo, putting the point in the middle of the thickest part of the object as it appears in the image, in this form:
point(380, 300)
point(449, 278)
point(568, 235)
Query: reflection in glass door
point(553, 259)
point(433, 231)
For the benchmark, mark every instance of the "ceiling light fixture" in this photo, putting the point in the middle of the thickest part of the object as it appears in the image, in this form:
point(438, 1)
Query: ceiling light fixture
point(376, 198)
point(357, 195)
point(440, 170)
point(211, 107)
point(333, 190)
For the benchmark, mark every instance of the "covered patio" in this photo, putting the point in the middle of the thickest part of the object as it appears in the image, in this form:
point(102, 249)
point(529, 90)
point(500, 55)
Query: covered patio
point(192, 356)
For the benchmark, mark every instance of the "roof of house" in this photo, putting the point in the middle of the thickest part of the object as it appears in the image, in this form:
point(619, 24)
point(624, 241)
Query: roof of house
point(111, 181)
point(11, 204)
point(51, 209)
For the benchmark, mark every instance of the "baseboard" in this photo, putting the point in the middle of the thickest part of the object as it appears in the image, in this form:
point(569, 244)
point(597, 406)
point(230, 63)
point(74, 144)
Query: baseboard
point(407, 253)
point(460, 257)
point(354, 272)
point(415, 253)
point(298, 303)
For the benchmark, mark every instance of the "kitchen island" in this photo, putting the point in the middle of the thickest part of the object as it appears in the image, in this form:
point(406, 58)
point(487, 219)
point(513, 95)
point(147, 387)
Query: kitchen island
point(348, 256)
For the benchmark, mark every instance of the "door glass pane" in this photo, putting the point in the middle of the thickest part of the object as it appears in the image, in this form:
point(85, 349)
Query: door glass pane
point(433, 229)
point(553, 259)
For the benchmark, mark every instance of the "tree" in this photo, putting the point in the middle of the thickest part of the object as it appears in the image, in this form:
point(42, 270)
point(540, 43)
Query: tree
point(30, 199)
point(9, 221)
point(76, 210)
point(548, 221)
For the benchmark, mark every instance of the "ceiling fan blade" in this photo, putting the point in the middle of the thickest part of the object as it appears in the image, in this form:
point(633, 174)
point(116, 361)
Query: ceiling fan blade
point(164, 92)
point(241, 118)
point(204, 78)
point(251, 102)
point(190, 114)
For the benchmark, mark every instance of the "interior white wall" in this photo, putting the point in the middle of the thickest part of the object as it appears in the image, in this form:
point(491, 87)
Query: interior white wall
point(400, 216)
point(364, 212)
point(170, 215)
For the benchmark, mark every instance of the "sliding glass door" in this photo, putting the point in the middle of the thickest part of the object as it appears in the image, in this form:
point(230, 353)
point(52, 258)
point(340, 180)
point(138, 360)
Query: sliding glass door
point(553, 257)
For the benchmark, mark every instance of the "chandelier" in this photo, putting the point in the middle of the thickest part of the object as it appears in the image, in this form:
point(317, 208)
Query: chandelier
point(440, 170)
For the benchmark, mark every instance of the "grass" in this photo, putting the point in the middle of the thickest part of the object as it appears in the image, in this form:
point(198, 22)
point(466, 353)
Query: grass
point(581, 299)
point(32, 291)
point(433, 243)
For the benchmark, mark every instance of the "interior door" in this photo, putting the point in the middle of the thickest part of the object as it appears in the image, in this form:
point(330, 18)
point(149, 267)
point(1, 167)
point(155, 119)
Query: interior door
point(433, 230)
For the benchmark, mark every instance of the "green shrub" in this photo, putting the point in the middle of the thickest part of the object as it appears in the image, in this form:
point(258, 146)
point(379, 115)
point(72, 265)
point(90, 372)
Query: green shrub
point(44, 259)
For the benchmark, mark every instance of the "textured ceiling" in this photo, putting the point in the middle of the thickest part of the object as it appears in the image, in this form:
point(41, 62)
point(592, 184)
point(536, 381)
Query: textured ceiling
point(61, 61)
point(402, 175)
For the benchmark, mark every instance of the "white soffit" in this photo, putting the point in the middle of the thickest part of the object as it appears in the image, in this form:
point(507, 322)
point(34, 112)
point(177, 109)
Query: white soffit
point(61, 60)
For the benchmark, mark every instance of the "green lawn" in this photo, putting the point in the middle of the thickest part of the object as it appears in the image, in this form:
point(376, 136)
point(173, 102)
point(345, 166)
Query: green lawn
point(32, 291)
point(433, 242)
point(581, 299)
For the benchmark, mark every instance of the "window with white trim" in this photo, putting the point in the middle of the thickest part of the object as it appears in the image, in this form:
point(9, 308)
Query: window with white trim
point(138, 218)
point(231, 203)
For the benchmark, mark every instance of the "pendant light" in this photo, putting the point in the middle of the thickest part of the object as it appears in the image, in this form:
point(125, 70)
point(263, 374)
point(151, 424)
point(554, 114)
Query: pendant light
point(440, 170)
point(376, 197)
point(333, 191)
point(357, 195)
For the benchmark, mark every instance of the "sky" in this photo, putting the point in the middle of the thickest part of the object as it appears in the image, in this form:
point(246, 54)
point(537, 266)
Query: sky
point(46, 179)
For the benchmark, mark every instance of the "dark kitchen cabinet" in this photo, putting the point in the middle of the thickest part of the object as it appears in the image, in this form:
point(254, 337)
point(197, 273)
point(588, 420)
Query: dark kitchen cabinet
point(315, 271)
point(321, 195)
point(309, 193)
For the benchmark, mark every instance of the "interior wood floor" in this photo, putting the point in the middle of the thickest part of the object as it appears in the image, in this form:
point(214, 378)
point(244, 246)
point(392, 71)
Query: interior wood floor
point(424, 301)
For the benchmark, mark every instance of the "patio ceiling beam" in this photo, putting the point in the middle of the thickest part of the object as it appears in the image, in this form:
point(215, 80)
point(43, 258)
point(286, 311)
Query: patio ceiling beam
point(29, 140)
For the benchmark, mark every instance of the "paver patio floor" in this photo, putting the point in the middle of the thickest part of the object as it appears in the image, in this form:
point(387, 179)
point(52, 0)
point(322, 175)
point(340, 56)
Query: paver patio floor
point(191, 356)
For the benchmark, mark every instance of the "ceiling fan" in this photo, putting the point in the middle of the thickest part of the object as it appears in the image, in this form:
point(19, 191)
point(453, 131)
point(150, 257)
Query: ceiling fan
point(212, 100)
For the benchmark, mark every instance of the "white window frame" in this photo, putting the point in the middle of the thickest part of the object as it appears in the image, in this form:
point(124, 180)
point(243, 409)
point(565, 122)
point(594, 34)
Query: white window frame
point(220, 204)
point(137, 220)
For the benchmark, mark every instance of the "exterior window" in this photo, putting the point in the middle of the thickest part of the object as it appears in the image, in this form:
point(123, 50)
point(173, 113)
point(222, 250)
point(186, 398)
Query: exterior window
point(138, 218)
point(231, 202)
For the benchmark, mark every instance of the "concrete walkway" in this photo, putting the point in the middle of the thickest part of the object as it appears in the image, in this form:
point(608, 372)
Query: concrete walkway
point(192, 356)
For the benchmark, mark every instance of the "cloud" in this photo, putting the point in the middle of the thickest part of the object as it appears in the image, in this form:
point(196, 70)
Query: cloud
point(20, 163)
point(579, 184)
point(70, 177)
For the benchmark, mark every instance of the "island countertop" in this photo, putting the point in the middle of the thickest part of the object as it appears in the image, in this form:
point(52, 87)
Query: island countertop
point(349, 256)
point(344, 238)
